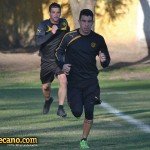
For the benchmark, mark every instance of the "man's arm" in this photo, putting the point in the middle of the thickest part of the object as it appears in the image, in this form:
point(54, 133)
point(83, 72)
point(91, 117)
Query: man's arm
point(104, 55)
point(64, 25)
point(60, 52)
point(43, 34)
point(68, 28)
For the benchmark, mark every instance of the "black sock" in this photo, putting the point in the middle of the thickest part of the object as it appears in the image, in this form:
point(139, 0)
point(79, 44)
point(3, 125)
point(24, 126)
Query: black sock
point(60, 107)
point(85, 139)
point(46, 101)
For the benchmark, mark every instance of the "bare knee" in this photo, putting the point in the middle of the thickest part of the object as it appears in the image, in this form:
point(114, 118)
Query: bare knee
point(77, 114)
point(45, 87)
point(89, 115)
point(62, 80)
point(88, 121)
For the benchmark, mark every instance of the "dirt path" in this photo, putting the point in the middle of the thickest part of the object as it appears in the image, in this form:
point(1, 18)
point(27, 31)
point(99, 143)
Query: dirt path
point(19, 61)
point(120, 57)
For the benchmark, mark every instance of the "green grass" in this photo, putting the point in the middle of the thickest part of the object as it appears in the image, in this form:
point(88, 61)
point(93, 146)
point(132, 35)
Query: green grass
point(21, 103)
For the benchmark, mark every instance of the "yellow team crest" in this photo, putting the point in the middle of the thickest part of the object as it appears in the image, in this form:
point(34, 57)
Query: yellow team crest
point(49, 29)
point(64, 26)
point(64, 23)
point(93, 44)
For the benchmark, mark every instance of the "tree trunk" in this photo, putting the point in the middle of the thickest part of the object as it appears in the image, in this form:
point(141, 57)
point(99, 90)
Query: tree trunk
point(146, 10)
point(75, 9)
point(76, 6)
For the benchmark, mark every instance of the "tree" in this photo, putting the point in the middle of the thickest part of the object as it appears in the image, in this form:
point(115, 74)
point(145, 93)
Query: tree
point(111, 8)
point(76, 6)
point(146, 10)
point(18, 22)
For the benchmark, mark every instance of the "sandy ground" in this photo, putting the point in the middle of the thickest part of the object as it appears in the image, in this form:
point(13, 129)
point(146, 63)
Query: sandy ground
point(19, 61)
point(121, 56)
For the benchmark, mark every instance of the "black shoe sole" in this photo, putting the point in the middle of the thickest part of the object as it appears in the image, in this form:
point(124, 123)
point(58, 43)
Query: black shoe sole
point(48, 107)
point(63, 116)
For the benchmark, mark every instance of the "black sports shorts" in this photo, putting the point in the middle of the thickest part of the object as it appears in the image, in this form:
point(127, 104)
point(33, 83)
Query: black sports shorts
point(48, 71)
point(87, 97)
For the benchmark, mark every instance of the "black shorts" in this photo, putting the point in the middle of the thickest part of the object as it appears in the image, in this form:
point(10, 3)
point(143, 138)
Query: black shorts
point(87, 97)
point(49, 71)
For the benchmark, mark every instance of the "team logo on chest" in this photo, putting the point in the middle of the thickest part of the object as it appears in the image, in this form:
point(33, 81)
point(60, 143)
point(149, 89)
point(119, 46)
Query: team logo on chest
point(48, 29)
point(93, 44)
point(64, 26)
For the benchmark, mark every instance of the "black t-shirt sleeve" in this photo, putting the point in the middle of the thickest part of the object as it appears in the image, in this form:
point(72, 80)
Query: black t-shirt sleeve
point(60, 52)
point(68, 28)
point(42, 35)
point(64, 25)
point(104, 49)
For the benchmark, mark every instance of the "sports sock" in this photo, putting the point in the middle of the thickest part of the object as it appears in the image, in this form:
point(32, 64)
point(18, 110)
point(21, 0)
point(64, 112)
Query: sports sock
point(85, 139)
point(46, 101)
point(60, 107)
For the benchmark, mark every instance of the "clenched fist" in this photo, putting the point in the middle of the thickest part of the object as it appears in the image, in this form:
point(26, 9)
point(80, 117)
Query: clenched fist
point(54, 29)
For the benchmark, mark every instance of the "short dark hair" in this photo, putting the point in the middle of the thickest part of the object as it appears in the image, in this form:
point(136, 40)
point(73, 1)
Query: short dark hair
point(54, 5)
point(86, 12)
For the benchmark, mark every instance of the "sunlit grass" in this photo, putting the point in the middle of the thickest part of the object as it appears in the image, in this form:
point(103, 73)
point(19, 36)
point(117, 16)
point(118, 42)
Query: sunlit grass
point(21, 103)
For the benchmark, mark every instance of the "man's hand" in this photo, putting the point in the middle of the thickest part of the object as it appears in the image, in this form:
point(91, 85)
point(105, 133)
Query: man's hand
point(102, 57)
point(54, 29)
point(66, 68)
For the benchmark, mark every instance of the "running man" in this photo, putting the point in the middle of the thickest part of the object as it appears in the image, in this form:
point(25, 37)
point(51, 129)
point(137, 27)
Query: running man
point(49, 34)
point(76, 55)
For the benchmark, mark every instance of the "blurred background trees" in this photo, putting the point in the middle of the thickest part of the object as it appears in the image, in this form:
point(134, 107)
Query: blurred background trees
point(119, 21)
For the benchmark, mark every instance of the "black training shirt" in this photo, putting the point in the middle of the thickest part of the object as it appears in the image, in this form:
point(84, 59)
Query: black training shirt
point(80, 51)
point(48, 41)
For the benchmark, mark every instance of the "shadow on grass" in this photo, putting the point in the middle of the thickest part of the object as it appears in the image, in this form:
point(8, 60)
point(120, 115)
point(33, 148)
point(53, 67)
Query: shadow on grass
point(24, 93)
point(63, 134)
point(115, 142)
point(48, 143)
point(21, 104)
point(126, 85)
point(119, 65)
point(28, 102)
point(47, 131)
point(137, 111)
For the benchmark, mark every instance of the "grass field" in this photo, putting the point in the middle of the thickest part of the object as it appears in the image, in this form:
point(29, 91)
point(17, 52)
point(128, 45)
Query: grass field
point(21, 103)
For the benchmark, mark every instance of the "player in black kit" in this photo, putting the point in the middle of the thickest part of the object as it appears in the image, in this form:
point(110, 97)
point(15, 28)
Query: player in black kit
point(49, 34)
point(76, 55)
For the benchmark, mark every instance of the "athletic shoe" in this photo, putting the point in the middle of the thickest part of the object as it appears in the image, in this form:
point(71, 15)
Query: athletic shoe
point(84, 144)
point(47, 105)
point(61, 112)
point(97, 101)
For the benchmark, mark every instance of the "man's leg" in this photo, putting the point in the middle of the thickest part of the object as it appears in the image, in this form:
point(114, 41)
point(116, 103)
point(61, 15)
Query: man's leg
point(62, 94)
point(46, 89)
point(89, 100)
point(86, 128)
point(74, 97)
point(75, 101)
point(46, 77)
